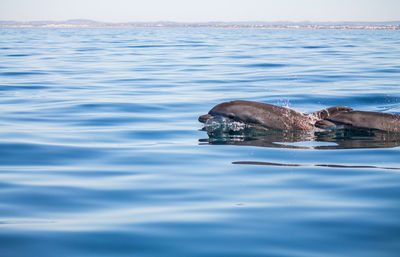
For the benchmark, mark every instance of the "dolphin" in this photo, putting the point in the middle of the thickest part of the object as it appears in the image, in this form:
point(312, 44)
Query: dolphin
point(371, 120)
point(272, 116)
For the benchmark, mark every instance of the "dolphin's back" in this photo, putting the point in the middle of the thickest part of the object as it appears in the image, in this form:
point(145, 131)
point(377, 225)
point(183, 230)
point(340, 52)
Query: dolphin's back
point(373, 120)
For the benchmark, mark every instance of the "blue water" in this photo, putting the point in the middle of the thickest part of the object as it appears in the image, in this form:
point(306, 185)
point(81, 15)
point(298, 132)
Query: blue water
point(101, 153)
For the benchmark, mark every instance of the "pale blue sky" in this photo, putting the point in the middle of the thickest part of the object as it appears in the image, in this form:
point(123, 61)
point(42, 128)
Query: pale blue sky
point(201, 10)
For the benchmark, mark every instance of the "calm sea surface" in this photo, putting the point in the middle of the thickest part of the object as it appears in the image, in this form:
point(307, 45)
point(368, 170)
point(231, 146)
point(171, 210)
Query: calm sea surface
point(101, 153)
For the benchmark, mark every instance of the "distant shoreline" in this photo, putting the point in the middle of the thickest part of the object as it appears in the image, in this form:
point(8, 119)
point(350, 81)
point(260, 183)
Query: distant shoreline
point(390, 25)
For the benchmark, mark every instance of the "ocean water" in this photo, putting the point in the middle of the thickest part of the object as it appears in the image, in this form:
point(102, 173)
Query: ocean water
point(101, 152)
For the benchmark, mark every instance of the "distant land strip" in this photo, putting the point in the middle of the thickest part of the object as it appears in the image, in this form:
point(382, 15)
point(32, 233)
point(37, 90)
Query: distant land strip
point(80, 23)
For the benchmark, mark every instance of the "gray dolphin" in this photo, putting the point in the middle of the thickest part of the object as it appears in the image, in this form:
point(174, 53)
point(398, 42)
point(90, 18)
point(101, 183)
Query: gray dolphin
point(362, 119)
point(272, 116)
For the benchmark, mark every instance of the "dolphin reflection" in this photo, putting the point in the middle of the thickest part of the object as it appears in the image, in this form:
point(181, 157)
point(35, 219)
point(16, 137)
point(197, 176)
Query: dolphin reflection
point(237, 134)
point(315, 165)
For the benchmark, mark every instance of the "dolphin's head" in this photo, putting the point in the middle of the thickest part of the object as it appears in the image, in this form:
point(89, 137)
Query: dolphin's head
point(238, 110)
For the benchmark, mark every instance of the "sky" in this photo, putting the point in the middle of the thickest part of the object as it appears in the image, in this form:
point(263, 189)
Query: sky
point(201, 10)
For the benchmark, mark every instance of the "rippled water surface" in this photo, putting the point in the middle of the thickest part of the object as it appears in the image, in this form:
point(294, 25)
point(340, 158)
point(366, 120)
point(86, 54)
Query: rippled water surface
point(101, 153)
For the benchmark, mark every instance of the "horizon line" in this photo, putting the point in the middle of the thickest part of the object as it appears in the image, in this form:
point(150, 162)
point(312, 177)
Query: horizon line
point(86, 23)
point(210, 21)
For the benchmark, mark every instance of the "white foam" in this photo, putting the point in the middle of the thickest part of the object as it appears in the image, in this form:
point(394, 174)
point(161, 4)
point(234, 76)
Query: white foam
point(224, 124)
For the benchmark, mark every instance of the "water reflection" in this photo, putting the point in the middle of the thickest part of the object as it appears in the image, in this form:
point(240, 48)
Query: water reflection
point(315, 165)
point(332, 139)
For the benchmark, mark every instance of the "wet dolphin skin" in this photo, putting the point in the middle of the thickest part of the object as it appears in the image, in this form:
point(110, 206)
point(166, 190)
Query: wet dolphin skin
point(273, 116)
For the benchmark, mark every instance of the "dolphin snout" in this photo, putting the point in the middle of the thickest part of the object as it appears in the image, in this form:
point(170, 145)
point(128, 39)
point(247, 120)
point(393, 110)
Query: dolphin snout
point(204, 118)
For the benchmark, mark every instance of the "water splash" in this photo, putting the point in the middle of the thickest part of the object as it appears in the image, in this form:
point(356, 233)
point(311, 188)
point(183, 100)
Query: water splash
point(225, 124)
